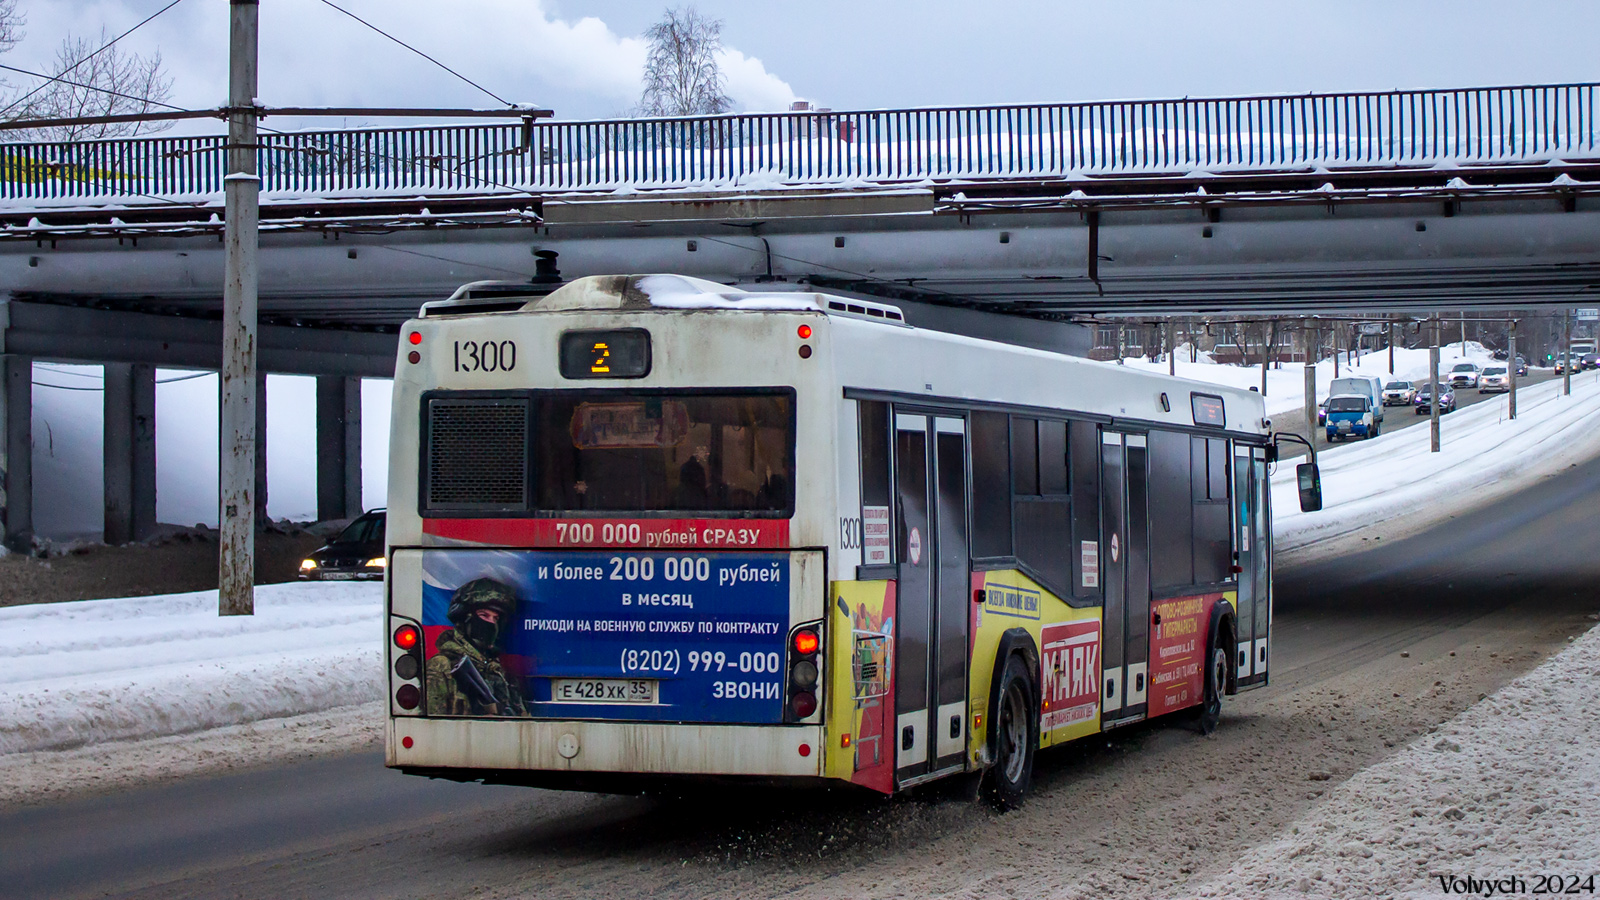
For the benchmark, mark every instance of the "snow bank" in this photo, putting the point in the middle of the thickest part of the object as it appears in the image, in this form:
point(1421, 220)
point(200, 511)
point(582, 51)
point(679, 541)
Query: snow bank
point(103, 670)
point(1507, 788)
point(1483, 456)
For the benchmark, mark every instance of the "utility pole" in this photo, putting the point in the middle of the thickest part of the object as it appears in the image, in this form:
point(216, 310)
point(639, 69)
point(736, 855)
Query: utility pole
point(1433, 380)
point(1511, 366)
point(1310, 332)
point(242, 198)
point(1391, 346)
point(1566, 352)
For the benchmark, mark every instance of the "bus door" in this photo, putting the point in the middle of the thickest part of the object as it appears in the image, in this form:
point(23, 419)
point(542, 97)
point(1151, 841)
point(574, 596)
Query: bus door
point(1126, 562)
point(1251, 532)
point(931, 599)
point(1259, 566)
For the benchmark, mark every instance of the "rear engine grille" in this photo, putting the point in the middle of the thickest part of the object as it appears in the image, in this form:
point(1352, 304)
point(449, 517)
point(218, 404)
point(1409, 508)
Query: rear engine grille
point(477, 454)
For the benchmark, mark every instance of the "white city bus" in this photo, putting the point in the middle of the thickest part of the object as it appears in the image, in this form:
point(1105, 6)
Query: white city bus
point(647, 528)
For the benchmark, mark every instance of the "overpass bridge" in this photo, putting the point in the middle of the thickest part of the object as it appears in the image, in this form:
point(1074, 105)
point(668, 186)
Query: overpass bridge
point(1020, 222)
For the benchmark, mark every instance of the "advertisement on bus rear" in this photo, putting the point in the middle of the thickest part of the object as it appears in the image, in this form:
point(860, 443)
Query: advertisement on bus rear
point(644, 636)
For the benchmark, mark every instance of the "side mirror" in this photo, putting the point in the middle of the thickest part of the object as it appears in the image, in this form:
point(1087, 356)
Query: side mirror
point(1310, 483)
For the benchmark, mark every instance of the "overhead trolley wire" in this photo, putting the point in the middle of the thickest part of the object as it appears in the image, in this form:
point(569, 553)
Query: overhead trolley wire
point(425, 56)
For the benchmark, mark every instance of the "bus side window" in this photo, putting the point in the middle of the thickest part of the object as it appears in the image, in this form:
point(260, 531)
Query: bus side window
point(1213, 538)
point(1171, 522)
point(876, 505)
point(1043, 508)
point(991, 485)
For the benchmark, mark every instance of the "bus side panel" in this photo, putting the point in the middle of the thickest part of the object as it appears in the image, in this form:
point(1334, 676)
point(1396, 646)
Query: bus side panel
point(861, 683)
point(1068, 639)
point(1178, 650)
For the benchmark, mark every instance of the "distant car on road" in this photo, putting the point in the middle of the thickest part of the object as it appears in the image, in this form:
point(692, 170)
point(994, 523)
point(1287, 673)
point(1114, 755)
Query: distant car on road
point(1465, 375)
point(1494, 379)
point(1423, 403)
point(357, 554)
point(1590, 361)
point(1522, 367)
point(1351, 416)
point(1322, 413)
point(1399, 393)
point(1368, 386)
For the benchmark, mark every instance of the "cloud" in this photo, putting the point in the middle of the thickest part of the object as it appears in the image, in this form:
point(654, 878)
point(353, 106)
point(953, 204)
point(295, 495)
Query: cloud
point(751, 86)
point(313, 55)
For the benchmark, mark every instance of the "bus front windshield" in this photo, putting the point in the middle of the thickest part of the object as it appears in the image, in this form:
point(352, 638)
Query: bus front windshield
point(680, 452)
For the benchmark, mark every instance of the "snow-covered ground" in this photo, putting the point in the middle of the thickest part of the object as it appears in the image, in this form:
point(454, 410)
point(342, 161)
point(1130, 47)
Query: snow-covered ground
point(1396, 481)
point(1507, 788)
point(107, 670)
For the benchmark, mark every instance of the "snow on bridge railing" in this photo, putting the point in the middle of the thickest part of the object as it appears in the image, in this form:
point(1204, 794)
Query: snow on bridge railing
point(1395, 128)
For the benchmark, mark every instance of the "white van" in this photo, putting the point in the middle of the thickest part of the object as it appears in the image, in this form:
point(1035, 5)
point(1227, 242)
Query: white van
point(1368, 386)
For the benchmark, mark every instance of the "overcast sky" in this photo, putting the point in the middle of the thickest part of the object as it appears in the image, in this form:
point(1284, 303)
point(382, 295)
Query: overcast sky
point(582, 58)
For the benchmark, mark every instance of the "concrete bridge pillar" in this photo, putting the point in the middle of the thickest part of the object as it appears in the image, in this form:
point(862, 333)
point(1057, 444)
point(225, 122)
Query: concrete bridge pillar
point(16, 449)
point(130, 452)
point(338, 447)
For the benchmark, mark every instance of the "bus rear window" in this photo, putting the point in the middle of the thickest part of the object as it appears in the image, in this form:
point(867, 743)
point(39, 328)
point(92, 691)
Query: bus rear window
point(616, 451)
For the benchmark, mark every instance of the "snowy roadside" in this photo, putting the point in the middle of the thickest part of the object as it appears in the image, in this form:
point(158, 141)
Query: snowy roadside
point(92, 671)
point(1509, 788)
point(1395, 485)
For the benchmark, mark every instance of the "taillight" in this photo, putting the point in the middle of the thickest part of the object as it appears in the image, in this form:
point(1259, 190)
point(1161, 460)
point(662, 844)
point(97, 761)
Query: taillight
point(407, 665)
point(805, 643)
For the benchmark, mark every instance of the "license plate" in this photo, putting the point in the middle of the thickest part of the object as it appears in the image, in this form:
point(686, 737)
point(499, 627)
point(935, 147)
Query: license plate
point(338, 576)
point(603, 690)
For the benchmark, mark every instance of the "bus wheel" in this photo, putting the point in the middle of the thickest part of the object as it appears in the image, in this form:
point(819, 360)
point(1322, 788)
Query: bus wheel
point(1016, 725)
point(1216, 683)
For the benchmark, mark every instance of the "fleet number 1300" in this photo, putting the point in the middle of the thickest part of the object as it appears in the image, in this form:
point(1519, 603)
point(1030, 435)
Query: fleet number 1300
point(486, 356)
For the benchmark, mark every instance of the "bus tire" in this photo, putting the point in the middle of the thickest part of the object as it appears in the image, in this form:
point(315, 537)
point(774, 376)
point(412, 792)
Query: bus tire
point(1016, 724)
point(1216, 683)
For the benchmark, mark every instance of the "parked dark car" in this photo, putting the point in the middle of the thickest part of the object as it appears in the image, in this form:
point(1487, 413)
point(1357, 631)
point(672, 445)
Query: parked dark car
point(1447, 401)
point(1500, 354)
point(356, 554)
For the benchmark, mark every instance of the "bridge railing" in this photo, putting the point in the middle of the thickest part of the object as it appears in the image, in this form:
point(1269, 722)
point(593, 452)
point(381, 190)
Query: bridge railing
point(1396, 128)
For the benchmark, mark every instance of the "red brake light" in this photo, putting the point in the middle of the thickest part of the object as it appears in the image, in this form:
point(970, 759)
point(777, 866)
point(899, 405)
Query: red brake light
point(806, 642)
point(804, 331)
point(415, 337)
point(406, 637)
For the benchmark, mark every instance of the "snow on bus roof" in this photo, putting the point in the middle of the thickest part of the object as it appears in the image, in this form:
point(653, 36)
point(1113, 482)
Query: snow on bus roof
point(663, 292)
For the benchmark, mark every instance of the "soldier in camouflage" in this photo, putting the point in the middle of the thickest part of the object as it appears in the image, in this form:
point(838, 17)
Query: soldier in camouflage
point(465, 677)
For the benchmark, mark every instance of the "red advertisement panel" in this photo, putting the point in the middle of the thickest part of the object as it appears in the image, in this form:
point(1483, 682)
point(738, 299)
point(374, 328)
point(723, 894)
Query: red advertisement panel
point(1071, 677)
point(654, 534)
point(1177, 651)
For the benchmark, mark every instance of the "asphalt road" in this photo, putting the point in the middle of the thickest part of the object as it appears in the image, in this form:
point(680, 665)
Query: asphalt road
point(1369, 651)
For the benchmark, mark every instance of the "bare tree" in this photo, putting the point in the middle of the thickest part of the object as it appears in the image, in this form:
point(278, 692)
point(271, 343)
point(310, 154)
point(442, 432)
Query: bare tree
point(681, 75)
point(106, 83)
point(11, 22)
